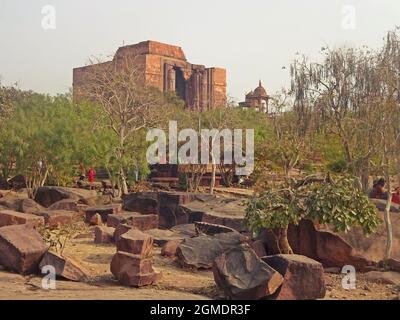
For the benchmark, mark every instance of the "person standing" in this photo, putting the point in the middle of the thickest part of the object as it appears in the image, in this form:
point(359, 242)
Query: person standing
point(92, 175)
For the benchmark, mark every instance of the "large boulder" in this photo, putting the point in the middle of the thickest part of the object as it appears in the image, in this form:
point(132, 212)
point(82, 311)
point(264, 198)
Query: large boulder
point(104, 211)
point(9, 217)
point(135, 242)
point(142, 202)
point(303, 277)
point(185, 230)
point(132, 270)
point(21, 248)
point(211, 229)
point(12, 200)
point(169, 248)
point(169, 208)
point(65, 267)
point(323, 245)
point(56, 218)
point(69, 205)
point(200, 252)
point(217, 210)
point(134, 219)
point(162, 236)
point(388, 277)
point(121, 229)
point(48, 195)
point(29, 206)
point(243, 276)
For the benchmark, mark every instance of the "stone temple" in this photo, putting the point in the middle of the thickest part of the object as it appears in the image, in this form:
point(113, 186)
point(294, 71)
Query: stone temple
point(165, 67)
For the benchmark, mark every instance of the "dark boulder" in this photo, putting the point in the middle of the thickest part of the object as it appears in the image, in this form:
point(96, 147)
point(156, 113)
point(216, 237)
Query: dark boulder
point(243, 276)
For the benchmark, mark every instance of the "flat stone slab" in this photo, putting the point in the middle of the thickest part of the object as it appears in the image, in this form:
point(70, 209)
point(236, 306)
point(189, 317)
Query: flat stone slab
point(55, 218)
point(10, 217)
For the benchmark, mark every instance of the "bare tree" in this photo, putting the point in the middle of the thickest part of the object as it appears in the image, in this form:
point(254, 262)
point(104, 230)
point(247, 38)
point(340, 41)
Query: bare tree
point(125, 101)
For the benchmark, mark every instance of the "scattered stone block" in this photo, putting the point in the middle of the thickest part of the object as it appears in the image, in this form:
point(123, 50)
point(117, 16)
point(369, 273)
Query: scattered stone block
point(160, 237)
point(56, 218)
point(132, 270)
point(96, 220)
point(103, 211)
point(169, 248)
point(29, 206)
point(135, 242)
point(142, 202)
point(48, 195)
point(303, 277)
point(211, 229)
point(243, 276)
point(69, 205)
point(9, 217)
point(200, 252)
point(120, 230)
point(259, 248)
point(65, 267)
point(103, 234)
point(21, 248)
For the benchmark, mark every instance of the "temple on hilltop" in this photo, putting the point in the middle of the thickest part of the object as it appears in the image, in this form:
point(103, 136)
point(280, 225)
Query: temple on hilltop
point(257, 99)
point(165, 67)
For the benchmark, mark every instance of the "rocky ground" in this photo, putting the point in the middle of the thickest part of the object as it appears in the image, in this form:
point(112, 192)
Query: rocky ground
point(176, 283)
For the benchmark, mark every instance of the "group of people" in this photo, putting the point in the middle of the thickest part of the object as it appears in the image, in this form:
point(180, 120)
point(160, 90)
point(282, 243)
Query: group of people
point(378, 191)
point(91, 174)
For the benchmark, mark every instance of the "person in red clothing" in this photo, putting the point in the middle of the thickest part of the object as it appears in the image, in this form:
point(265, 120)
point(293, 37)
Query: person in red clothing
point(92, 174)
point(396, 196)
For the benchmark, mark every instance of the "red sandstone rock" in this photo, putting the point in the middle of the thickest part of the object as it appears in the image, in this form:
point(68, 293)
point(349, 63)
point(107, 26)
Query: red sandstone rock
point(29, 206)
point(303, 277)
point(21, 248)
point(120, 230)
point(103, 211)
point(12, 200)
point(104, 234)
point(200, 252)
point(170, 247)
point(55, 218)
point(9, 217)
point(132, 270)
point(393, 264)
point(48, 195)
point(136, 242)
point(142, 202)
point(211, 229)
point(160, 237)
point(113, 220)
point(242, 275)
point(65, 267)
point(68, 205)
point(327, 247)
point(95, 220)
point(169, 209)
point(259, 248)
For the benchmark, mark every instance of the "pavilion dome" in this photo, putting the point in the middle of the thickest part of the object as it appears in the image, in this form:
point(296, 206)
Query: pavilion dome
point(260, 91)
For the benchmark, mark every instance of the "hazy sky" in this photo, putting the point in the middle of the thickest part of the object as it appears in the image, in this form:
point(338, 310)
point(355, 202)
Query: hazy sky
point(252, 39)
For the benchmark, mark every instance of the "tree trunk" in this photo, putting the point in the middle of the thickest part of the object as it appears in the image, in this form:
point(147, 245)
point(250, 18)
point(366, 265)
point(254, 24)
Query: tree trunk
point(282, 240)
point(124, 185)
point(212, 184)
point(388, 223)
